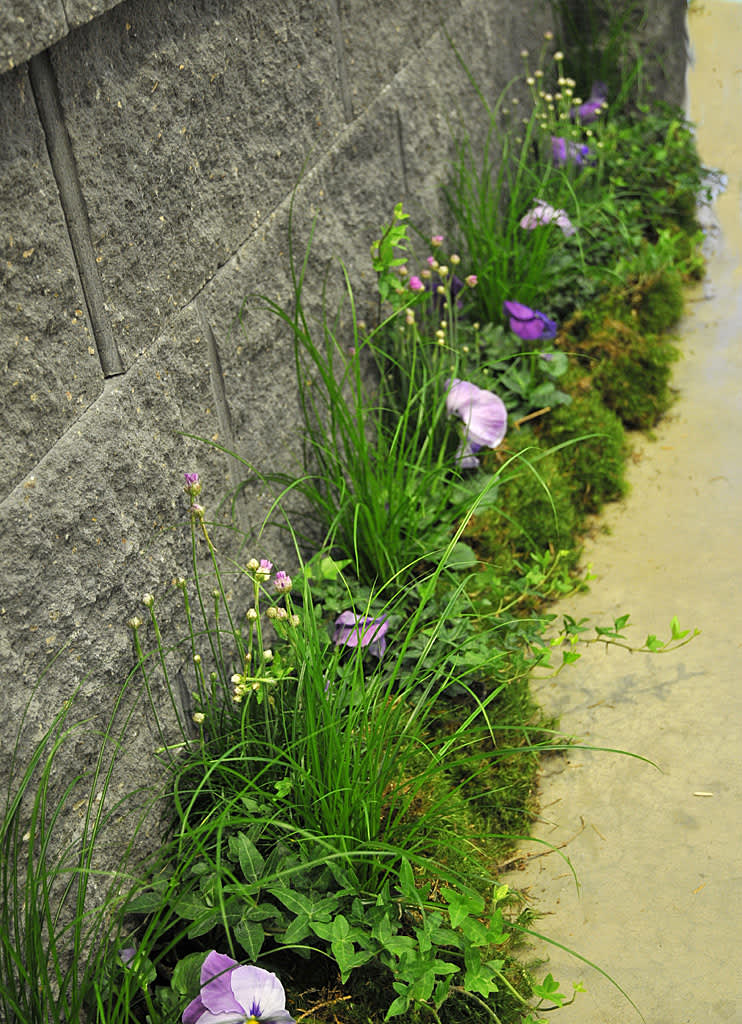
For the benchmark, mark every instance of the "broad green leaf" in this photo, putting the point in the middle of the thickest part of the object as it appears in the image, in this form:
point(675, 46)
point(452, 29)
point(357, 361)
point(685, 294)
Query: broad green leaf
point(250, 936)
point(251, 861)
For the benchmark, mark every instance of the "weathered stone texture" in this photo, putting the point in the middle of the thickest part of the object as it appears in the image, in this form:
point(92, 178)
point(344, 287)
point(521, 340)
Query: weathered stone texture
point(29, 26)
point(189, 121)
point(49, 371)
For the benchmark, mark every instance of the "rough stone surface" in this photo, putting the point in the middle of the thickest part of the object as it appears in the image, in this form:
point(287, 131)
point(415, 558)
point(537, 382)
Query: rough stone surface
point(190, 124)
point(29, 26)
point(49, 369)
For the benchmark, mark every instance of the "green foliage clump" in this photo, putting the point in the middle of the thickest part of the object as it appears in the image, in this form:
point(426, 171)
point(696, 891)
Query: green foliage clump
point(592, 452)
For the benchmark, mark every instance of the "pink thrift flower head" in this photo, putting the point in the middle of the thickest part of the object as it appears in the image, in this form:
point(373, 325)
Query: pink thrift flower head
point(233, 994)
point(542, 213)
point(282, 582)
point(416, 284)
point(471, 280)
point(264, 569)
point(484, 416)
point(437, 240)
point(192, 484)
point(352, 630)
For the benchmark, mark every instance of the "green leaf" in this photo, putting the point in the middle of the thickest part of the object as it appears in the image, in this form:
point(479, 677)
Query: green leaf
point(251, 861)
point(461, 905)
point(297, 930)
point(407, 883)
point(186, 979)
point(250, 936)
point(677, 633)
point(461, 556)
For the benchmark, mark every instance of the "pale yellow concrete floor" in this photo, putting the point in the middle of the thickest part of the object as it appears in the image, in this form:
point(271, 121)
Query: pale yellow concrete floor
point(660, 866)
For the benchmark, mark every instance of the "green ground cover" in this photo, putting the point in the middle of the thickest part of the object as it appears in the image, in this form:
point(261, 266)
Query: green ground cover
point(363, 745)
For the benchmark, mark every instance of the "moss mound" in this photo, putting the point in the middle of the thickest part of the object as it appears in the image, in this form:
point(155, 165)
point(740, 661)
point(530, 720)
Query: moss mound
point(593, 448)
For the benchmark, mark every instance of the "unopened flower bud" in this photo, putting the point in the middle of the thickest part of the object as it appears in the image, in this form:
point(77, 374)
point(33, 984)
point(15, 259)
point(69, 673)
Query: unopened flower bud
point(251, 615)
point(199, 717)
point(134, 622)
point(148, 600)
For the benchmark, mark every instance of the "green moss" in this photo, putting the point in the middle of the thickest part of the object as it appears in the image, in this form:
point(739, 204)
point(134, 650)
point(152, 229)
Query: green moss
point(635, 384)
point(661, 303)
point(535, 511)
point(593, 458)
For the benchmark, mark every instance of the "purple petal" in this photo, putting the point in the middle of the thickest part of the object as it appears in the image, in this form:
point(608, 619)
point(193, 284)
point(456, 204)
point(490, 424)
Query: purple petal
point(483, 413)
point(351, 629)
point(216, 989)
point(261, 994)
point(465, 457)
point(529, 324)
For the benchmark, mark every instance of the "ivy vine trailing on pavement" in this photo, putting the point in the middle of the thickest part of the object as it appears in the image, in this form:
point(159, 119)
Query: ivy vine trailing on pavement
point(361, 744)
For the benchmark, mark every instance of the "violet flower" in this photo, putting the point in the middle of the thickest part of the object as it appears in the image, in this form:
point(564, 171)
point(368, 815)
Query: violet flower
point(484, 416)
point(529, 324)
point(234, 994)
point(542, 213)
point(352, 630)
point(566, 152)
point(589, 111)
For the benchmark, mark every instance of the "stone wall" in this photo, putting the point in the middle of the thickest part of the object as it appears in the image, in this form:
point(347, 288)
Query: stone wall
point(148, 154)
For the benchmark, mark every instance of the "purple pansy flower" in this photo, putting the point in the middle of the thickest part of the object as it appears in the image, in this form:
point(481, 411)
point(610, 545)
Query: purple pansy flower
point(352, 630)
point(529, 324)
point(565, 152)
point(484, 416)
point(589, 111)
point(542, 213)
point(234, 994)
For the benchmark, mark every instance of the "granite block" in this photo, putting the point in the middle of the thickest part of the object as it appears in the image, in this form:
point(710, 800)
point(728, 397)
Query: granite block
point(50, 373)
point(189, 123)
